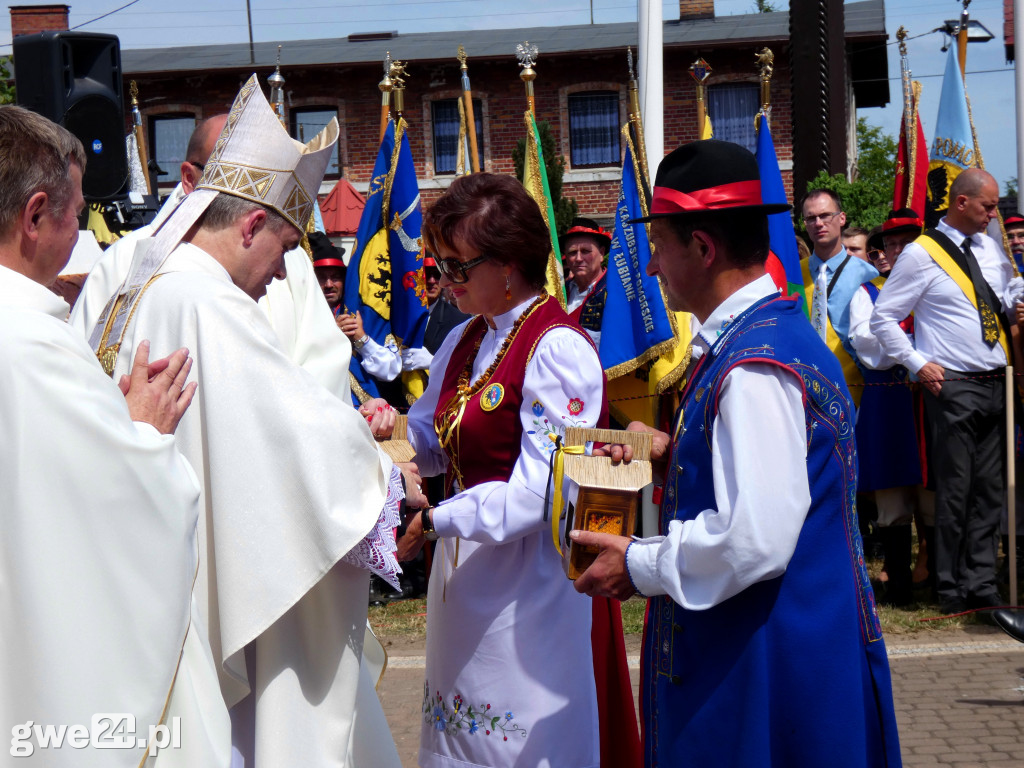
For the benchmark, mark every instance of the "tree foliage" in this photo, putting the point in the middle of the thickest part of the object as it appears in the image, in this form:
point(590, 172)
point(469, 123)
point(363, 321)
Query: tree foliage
point(565, 208)
point(868, 198)
point(6, 84)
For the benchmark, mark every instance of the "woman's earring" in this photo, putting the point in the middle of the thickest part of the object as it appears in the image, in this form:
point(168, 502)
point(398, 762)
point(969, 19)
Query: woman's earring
point(508, 288)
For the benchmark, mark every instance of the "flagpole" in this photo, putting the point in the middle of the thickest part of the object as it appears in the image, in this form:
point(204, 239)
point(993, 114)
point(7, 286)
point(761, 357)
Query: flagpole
point(700, 71)
point(385, 86)
point(1018, 80)
point(652, 81)
point(637, 120)
point(766, 67)
point(961, 41)
point(140, 137)
point(467, 97)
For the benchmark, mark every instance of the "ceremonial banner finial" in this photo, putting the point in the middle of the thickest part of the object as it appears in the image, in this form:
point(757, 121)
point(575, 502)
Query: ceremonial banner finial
point(629, 63)
point(397, 73)
point(140, 137)
point(700, 70)
point(765, 63)
point(526, 53)
point(276, 83)
point(386, 87)
point(901, 35)
point(467, 111)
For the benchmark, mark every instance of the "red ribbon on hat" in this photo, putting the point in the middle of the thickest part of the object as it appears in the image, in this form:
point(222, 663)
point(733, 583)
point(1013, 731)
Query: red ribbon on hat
point(894, 223)
point(329, 262)
point(736, 194)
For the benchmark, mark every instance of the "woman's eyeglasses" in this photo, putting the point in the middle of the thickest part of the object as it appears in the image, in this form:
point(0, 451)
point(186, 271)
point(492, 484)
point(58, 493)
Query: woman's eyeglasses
point(456, 270)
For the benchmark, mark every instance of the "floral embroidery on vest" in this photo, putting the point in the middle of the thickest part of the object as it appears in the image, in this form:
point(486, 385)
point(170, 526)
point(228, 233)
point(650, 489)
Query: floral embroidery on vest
point(458, 717)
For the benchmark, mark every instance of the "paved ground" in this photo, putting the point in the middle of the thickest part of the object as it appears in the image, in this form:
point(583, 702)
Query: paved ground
point(959, 697)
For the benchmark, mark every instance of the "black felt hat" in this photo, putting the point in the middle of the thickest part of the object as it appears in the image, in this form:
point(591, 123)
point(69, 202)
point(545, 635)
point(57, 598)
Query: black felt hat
point(325, 253)
point(897, 222)
point(708, 176)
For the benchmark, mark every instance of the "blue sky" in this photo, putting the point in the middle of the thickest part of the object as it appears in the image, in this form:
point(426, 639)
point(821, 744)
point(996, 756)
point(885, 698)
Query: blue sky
point(156, 23)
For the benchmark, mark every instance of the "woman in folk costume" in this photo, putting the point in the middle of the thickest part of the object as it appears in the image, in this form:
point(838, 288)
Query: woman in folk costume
point(510, 670)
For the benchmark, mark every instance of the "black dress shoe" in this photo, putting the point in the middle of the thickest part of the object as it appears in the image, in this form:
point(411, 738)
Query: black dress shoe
point(1011, 621)
point(952, 605)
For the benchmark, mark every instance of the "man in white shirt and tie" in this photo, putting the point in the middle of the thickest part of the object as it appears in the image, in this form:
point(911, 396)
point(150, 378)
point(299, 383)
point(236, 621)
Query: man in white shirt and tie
point(960, 286)
point(831, 277)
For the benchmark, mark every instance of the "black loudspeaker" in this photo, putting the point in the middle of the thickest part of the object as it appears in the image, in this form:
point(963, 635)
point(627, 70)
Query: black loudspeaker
point(74, 78)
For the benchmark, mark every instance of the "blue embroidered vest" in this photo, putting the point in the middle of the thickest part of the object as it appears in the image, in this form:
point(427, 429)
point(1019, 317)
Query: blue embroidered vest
point(792, 671)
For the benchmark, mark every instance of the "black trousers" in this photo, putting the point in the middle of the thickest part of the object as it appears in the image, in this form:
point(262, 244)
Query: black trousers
point(968, 423)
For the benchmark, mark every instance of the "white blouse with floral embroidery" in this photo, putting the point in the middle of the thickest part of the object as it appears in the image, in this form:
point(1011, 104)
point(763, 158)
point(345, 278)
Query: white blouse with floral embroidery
point(509, 673)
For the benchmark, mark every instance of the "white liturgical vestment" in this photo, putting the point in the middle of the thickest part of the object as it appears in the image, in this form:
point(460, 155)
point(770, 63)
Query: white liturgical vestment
point(295, 306)
point(98, 544)
point(292, 483)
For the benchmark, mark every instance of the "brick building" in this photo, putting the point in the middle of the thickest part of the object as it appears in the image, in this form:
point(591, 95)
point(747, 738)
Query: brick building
point(580, 90)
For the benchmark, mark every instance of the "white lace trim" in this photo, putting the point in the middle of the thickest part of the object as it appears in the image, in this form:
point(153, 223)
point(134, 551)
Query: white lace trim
point(376, 552)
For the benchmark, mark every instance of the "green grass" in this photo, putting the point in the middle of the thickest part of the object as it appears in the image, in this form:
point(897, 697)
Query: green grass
point(407, 619)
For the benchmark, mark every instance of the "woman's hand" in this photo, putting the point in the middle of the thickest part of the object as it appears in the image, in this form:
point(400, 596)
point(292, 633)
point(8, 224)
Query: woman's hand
point(380, 416)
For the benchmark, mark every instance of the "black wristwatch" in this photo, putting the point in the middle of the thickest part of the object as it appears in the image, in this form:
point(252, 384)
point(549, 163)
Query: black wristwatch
point(428, 527)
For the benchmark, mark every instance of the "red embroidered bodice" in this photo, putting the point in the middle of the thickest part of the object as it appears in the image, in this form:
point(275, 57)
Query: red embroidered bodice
point(485, 443)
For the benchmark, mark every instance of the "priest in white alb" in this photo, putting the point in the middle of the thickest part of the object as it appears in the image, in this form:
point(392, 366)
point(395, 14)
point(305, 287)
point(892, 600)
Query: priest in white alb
point(299, 505)
point(98, 509)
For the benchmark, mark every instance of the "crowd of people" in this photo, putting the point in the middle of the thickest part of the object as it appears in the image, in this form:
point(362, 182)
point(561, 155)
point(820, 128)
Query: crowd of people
point(191, 534)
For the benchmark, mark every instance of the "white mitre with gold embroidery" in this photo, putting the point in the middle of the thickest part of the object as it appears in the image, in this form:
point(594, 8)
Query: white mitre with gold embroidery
point(255, 159)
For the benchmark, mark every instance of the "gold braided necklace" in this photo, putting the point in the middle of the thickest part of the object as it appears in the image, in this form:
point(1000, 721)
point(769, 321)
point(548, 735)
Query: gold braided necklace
point(448, 419)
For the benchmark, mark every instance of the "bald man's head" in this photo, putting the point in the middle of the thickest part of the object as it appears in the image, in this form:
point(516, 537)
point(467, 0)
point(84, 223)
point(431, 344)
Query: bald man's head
point(973, 199)
point(200, 146)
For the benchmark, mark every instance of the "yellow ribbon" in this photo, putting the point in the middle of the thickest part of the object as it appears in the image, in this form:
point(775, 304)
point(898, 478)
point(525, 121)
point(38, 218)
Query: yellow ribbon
point(558, 473)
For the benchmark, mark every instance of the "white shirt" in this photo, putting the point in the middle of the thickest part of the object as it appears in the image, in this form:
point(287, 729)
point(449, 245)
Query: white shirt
point(574, 297)
point(869, 349)
point(382, 361)
point(947, 329)
point(759, 470)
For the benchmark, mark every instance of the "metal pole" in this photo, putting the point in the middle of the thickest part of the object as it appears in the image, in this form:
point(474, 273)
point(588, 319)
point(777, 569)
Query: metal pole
point(1018, 81)
point(1011, 487)
point(650, 57)
point(252, 51)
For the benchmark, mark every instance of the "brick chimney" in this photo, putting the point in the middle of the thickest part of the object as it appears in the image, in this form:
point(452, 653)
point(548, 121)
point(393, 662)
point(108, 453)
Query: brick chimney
point(30, 19)
point(691, 10)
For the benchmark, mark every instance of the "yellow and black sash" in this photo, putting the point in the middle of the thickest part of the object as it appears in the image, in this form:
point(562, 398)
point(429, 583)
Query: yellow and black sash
point(954, 263)
point(851, 371)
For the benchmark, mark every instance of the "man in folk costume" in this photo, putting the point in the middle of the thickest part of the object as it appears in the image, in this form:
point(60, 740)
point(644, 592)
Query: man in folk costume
point(306, 332)
point(1014, 226)
point(98, 508)
point(887, 442)
point(960, 287)
point(831, 277)
point(584, 250)
point(299, 505)
point(757, 586)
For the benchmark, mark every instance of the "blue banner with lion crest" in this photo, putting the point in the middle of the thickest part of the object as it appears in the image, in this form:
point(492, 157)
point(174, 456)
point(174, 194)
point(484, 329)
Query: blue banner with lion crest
point(384, 281)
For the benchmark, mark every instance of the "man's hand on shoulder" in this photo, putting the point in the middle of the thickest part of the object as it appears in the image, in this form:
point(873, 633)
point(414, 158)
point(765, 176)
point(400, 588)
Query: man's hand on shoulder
point(156, 392)
point(607, 576)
